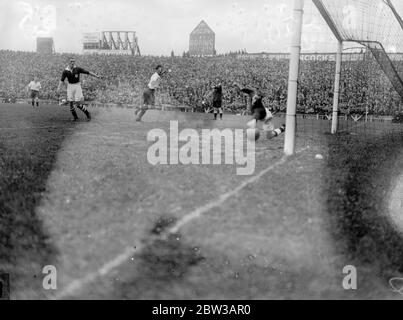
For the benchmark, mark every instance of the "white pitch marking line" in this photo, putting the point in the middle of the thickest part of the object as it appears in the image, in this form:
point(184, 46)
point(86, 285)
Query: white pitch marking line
point(201, 210)
point(77, 285)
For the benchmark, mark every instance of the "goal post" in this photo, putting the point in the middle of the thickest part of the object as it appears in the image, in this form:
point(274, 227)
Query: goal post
point(336, 97)
point(374, 24)
point(295, 51)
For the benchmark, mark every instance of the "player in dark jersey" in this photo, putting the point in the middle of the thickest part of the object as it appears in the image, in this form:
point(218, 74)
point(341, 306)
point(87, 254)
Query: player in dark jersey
point(216, 95)
point(217, 100)
point(74, 91)
point(260, 114)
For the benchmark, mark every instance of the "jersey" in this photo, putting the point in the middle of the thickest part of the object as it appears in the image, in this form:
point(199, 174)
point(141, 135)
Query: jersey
point(73, 75)
point(217, 93)
point(155, 81)
point(34, 86)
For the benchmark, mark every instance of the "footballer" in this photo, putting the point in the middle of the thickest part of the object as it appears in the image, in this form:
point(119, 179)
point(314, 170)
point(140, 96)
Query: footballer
point(74, 91)
point(261, 114)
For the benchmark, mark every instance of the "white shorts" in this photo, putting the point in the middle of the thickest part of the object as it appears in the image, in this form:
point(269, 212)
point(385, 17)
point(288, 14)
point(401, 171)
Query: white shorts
point(74, 92)
point(268, 121)
point(268, 126)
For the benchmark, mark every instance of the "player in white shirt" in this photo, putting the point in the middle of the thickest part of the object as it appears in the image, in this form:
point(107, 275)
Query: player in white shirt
point(149, 93)
point(34, 87)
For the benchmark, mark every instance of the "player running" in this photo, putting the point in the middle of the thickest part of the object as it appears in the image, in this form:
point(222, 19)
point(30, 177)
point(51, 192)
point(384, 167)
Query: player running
point(261, 114)
point(74, 90)
point(34, 87)
point(149, 93)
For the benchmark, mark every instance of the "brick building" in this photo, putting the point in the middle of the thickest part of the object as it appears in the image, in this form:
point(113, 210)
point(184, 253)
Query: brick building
point(202, 41)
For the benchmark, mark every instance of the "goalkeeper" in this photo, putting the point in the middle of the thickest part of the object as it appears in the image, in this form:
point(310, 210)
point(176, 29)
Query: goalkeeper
point(260, 114)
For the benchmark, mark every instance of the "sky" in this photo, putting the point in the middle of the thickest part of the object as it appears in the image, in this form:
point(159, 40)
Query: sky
point(163, 25)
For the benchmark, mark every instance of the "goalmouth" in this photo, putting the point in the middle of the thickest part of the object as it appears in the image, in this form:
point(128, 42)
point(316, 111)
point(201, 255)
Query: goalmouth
point(374, 24)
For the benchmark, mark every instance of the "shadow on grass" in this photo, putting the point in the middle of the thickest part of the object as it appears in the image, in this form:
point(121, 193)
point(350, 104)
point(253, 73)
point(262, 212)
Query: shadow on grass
point(27, 158)
point(359, 175)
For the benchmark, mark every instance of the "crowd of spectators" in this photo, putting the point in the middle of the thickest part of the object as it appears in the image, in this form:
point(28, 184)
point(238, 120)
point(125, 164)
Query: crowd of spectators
point(364, 87)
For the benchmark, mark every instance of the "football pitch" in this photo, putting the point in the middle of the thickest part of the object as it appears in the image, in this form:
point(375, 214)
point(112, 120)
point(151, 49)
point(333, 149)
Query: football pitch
point(84, 198)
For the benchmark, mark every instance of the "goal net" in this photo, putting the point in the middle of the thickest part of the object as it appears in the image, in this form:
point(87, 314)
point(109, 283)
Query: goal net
point(360, 85)
point(372, 23)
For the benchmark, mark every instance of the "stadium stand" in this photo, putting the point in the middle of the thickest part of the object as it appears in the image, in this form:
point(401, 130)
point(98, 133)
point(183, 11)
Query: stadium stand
point(190, 81)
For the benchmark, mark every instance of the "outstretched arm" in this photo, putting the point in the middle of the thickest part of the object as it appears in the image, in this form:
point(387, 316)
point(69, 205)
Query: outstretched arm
point(244, 90)
point(247, 91)
point(94, 75)
point(165, 72)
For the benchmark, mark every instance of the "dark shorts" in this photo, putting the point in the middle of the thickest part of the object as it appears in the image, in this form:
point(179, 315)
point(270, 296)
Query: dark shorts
point(149, 97)
point(34, 94)
point(259, 114)
point(217, 104)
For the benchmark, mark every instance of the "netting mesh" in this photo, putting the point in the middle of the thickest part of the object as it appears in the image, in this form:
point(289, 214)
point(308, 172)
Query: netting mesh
point(372, 23)
point(365, 20)
point(371, 71)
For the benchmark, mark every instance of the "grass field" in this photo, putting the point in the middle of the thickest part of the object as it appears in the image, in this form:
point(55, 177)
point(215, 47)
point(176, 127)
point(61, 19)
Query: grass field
point(83, 197)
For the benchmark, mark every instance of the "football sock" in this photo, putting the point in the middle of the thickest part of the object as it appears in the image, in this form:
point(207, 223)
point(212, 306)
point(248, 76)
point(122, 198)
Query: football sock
point(82, 108)
point(279, 131)
point(140, 114)
point(88, 114)
point(74, 113)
